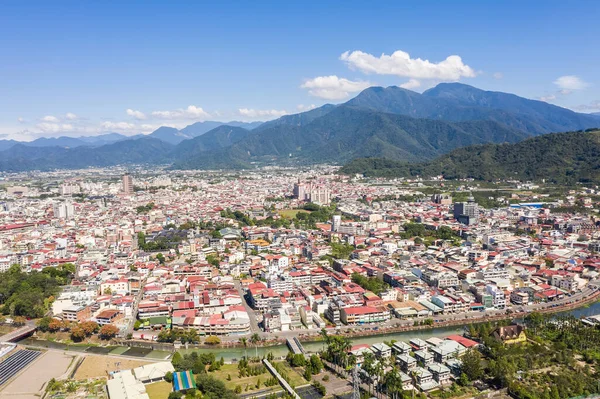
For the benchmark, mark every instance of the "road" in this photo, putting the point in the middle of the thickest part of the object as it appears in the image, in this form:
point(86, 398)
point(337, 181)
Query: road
point(251, 313)
point(128, 329)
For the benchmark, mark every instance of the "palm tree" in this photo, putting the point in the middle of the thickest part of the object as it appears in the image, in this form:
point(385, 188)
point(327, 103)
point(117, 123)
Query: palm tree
point(323, 333)
point(255, 339)
point(244, 342)
point(368, 365)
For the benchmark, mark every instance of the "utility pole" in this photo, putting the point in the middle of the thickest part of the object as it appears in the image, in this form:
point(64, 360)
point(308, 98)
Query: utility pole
point(355, 384)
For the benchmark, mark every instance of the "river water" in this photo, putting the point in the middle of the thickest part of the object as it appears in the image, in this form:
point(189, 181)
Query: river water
point(229, 354)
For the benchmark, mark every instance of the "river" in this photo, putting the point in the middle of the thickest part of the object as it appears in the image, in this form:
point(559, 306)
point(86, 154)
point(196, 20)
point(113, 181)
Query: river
point(229, 354)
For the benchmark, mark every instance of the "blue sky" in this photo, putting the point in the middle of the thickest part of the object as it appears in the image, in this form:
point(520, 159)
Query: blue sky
point(72, 68)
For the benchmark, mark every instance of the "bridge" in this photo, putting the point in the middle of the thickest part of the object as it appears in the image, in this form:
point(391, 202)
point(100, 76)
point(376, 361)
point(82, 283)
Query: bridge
point(19, 333)
point(295, 346)
point(281, 380)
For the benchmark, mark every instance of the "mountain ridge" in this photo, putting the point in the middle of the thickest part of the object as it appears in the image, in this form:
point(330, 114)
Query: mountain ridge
point(564, 158)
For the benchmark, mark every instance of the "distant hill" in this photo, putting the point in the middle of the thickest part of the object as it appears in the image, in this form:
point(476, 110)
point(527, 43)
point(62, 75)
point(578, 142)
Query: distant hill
point(139, 151)
point(300, 119)
point(169, 135)
point(218, 138)
point(559, 157)
point(6, 144)
point(200, 128)
point(65, 141)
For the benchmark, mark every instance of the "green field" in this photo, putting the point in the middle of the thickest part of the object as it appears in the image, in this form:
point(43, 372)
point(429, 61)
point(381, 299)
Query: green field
point(296, 379)
point(232, 370)
point(159, 390)
point(291, 213)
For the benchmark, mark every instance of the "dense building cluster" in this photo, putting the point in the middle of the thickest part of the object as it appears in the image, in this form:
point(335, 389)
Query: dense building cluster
point(212, 252)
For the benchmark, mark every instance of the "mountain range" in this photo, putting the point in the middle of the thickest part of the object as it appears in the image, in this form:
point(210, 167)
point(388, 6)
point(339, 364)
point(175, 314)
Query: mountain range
point(564, 158)
point(391, 122)
point(164, 133)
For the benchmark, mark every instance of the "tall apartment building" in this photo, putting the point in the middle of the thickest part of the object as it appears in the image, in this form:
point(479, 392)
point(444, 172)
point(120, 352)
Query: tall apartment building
point(336, 222)
point(63, 210)
point(312, 192)
point(127, 184)
point(466, 212)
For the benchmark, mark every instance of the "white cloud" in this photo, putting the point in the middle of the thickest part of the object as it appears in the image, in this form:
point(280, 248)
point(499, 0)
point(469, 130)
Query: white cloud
point(122, 126)
point(302, 107)
point(51, 119)
point(191, 112)
point(400, 64)
point(21, 120)
point(333, 87)
point(48, 127)
point(139, 115)
point(411, 84)
point(548, 98)
point(498, 75)
point(261, 113)
point(568, 83)
point(594, 106)
point(70, 116)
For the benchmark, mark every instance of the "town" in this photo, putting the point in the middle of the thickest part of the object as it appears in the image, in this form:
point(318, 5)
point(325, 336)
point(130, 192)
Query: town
point(282, 254)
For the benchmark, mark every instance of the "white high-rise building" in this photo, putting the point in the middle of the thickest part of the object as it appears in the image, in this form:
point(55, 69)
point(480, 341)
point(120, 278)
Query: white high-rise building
point(63, 210)
point(336, 222)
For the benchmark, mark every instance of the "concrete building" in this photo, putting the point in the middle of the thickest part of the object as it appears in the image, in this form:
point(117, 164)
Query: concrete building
point(467, 212)
point(127, 184)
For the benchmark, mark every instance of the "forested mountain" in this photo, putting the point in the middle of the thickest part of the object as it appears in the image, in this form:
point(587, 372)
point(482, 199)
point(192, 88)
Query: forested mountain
point(460, 102)
point(391, 123)
point(558, 157)
point(218, 138)
point(346, 133)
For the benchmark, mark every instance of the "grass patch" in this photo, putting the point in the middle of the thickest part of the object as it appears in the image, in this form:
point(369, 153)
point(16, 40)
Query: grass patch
point(232, 370)
point(159, 390)
point(291, 213)
point(296, 379)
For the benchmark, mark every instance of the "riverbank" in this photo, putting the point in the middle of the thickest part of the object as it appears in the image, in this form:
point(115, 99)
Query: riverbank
point(232, 350)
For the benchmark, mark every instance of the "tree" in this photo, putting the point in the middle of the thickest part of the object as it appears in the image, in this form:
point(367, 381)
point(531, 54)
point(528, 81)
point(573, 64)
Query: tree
point(169, 377)
point(19, 321)
point(89, 327)
point(255, 339)
point(463, 380)
point(161, 258)
point(212, 340)
point(316, 364)
point(108, 331)
point(55, 325)
point(176, 360)
point(471, 365)
point(307, 374)
point(77, 334)
point(43, 324)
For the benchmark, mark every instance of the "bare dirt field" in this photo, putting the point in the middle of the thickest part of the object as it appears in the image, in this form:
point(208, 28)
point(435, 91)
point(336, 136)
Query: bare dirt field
point(30, 382)
point(94, 366)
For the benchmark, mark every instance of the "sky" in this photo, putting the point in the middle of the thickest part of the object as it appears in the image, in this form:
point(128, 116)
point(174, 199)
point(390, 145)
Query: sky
point(82, 68)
